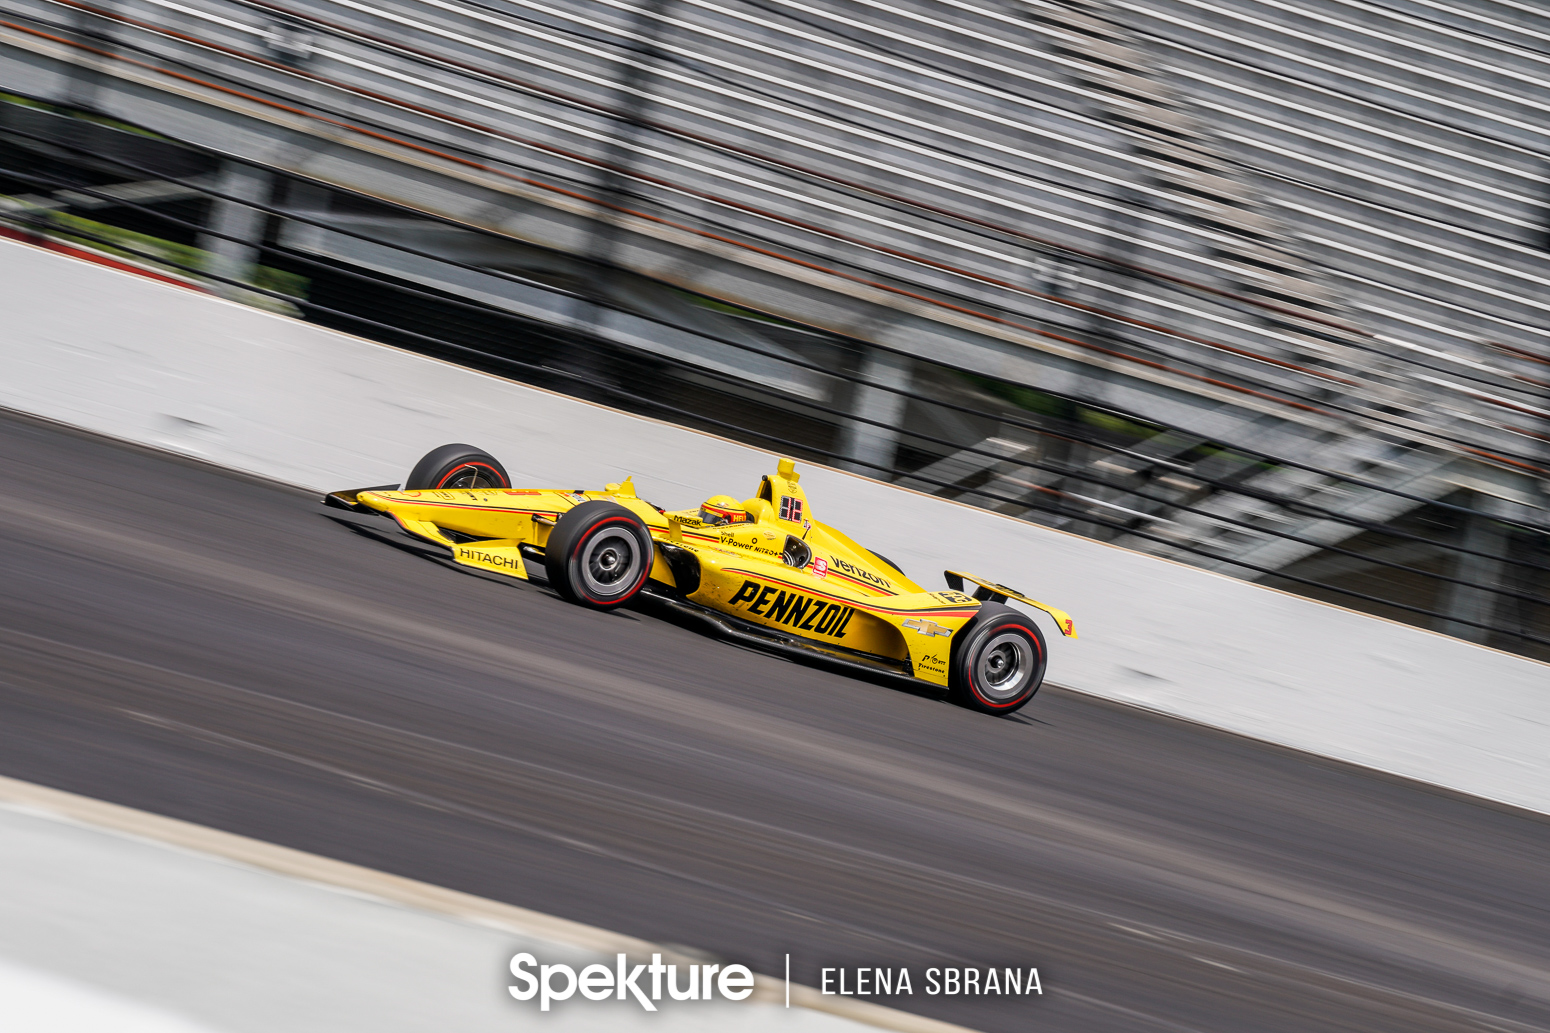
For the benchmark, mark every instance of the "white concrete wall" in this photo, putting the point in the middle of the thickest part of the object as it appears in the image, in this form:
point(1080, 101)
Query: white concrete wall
point(114, 920)
point(121, 355)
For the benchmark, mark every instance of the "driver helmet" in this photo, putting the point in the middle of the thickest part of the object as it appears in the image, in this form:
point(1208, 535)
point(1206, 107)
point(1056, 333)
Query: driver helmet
point(722, 509)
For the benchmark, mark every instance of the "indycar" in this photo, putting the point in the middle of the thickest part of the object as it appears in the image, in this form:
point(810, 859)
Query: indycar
point(762, 570)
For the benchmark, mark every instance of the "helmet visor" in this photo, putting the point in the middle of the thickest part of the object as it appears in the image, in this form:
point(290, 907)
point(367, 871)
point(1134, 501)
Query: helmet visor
point(715, 515)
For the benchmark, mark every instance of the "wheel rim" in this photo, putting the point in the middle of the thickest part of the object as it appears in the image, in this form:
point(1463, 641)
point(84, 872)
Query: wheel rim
point(609, 562)
point(470, 475)
point(1004, 665)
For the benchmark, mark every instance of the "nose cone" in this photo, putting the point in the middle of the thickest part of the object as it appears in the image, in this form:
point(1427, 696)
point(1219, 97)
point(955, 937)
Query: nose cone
point(385, 500)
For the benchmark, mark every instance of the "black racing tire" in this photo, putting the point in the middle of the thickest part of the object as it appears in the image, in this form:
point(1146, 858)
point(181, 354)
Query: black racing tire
point(997, 661)
point(599, 555)
point(891, 563)
point(457, 466)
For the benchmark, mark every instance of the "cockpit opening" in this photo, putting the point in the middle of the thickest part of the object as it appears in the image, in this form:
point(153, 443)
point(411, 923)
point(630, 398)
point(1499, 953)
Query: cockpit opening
point(797, 553)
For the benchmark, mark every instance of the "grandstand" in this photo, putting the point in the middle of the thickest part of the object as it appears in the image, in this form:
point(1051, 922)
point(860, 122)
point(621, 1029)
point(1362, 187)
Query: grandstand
point(1250, 284)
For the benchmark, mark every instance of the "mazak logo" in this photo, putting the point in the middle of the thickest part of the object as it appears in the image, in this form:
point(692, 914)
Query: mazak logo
point(645, 983)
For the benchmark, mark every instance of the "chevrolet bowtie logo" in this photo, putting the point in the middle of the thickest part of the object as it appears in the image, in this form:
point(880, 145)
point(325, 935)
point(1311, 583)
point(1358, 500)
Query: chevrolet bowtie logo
point(926, 627)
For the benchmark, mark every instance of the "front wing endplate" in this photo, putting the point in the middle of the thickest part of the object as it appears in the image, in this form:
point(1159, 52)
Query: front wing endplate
point(498, 555)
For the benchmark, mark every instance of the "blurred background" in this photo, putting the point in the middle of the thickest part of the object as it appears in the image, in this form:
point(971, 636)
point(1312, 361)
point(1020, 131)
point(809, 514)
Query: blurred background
point(1252, 286)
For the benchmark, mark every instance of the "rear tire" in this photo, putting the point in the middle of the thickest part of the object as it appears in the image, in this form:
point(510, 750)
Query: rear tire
point(898, 569)
point(598, 555)
point(998, 661)
point(457, 466)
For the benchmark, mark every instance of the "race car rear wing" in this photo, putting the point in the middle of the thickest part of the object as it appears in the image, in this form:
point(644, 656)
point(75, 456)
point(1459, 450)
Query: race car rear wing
point(989, 591)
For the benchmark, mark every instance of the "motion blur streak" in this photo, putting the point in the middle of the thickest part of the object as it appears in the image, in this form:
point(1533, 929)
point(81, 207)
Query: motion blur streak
point(185, 641)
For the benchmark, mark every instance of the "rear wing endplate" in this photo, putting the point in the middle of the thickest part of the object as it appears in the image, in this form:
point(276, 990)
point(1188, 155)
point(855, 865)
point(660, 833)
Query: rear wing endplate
point(989, 591)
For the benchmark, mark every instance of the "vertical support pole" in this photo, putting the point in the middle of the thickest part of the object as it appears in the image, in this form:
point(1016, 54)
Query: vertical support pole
point(236, 259)
point(636, 76)
point(1482, 534)
point(870, 450)
point(84, 78)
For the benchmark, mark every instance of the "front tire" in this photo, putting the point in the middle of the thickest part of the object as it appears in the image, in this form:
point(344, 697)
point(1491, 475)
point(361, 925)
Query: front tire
point(457, 466)
point(599, 555)
point(998, 661)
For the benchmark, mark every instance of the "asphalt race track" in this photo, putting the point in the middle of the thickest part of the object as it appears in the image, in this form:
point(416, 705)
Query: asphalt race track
point(194, 643)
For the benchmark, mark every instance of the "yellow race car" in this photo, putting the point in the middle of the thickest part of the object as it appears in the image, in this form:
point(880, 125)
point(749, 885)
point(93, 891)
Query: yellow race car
point(762, 570)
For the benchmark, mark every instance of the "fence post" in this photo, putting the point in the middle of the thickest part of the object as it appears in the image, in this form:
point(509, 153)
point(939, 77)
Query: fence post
point(229, 258)
point(1482, 533)
point(864, 444)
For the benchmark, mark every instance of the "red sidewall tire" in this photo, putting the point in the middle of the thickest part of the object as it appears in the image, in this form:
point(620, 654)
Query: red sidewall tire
point(599, 555)
point(441, 466)
point(487, 471)
point(1005, 632)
